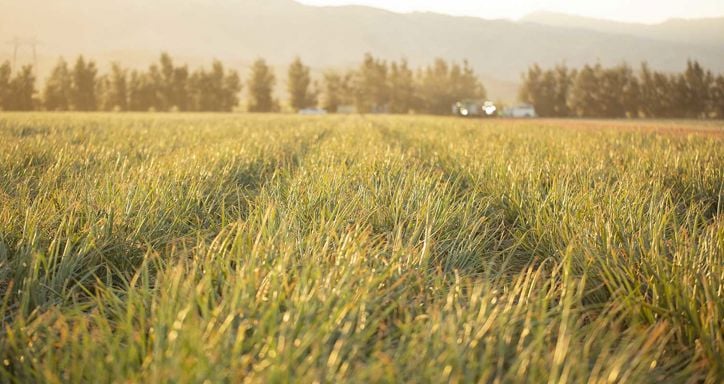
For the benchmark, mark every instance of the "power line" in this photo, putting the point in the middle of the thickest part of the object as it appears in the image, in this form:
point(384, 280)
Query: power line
point(18, 43)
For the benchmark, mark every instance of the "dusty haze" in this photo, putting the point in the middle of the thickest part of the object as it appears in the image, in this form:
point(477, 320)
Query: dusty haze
point(237, 31)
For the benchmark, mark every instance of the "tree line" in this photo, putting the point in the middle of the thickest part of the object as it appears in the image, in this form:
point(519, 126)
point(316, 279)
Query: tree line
point(374, 85)
point(80, 87)
point(620, 91)
point(393, 87)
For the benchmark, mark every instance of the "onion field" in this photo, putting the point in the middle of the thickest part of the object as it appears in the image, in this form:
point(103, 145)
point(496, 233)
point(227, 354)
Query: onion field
point(195, 248)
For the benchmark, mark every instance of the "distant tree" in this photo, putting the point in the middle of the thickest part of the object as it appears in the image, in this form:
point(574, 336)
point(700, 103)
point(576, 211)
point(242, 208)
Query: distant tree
point(165, 83)
point(116, 96)
point(656, 94)
point(548, 91)
point(617, 92)
point(336, 91)
point(199, 90)
point(585, 98)
point(402, 88)
point(179, 88)
point(693, 90)
point(370, 85)
point(594, 91)
point(173, 85)
point(435, 94)
point(232, 88)
point(441, 85)
point(547, 95)
point(101, 92)
point(464, 83)
point(215, 90)
point(5, 91)
point(58, 88)
point(331, 93)
point(155, 89)
point(716, 107)
point(629, 91)
point(22, 90)
point(261, 85)
point(142, 95)
point(563, 79)
point(211, 89)
point(134, 91)
point(298, 84)
point(540, 90)
point(226, 88)
point(112, 89)
point(83, 96)
point(647, 92)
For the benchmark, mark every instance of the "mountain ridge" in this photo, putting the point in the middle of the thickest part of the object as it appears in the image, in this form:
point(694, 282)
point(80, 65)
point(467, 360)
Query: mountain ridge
point(238, 31)
point(701, 31)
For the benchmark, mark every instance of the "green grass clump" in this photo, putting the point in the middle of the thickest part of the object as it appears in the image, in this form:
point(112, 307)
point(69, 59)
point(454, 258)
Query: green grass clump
point(235, 248)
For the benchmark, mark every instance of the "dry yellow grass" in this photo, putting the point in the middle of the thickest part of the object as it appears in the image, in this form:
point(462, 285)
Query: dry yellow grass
point(230, 248)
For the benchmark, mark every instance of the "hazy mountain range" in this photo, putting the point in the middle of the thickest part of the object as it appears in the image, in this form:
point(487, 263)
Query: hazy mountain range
point(134, 32)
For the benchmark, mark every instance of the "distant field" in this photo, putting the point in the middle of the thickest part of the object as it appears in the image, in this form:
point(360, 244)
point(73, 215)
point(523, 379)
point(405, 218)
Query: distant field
point(251, 248)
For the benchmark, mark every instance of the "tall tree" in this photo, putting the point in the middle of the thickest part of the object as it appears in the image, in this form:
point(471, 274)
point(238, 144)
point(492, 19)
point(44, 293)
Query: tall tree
point(216, 90)
point(231, 88)
point(173, 84)
point(58, 88)
point(656, 93)
point(528, 91)
point(154, 88)
point(5, 90)
point(617, 92)
point(22, 90)
point(402, 88)
point(440, 85)
point(179, 88)
point(298, 85)
point(165, 83)
point(261, 85)
point(436, 96)
point(199, 90)
point(630, 91)
point(103, 85)
point(464, 83)
point(214, 83)
point(584, 99)
point(541, 90)
point(717, 97)
point(142, 95)
point(83, 97)
point(336, 91)
point(370, 85)
point(117, 91)
point(563, 79)
point(693, 90)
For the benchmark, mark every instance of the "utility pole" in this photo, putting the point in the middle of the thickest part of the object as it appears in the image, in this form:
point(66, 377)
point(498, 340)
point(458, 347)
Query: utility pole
point(18, 43)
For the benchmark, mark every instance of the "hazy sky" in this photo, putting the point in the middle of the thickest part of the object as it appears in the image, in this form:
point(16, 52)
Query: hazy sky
point(648, 11)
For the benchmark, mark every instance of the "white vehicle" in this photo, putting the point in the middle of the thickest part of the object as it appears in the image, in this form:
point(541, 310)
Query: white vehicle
point(312, 111)
point(520, 111)
point(474, 108)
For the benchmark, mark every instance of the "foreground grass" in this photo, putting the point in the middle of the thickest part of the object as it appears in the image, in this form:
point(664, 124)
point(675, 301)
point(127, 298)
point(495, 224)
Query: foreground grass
point(385, 249)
